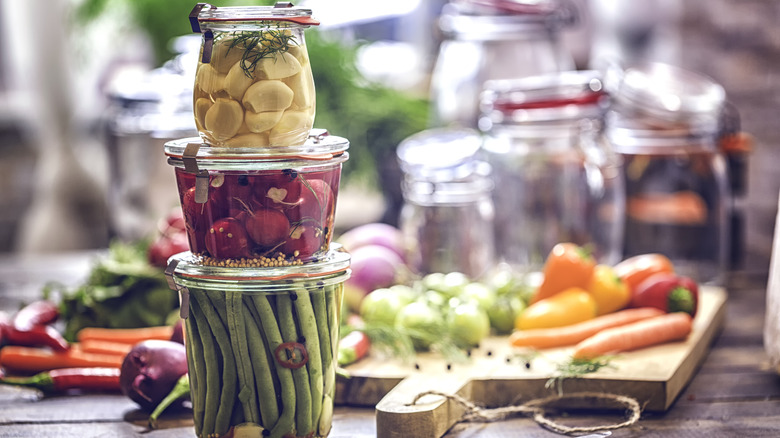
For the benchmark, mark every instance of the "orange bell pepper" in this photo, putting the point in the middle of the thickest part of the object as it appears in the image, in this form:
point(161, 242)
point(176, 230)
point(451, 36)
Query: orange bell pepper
point(568, 265)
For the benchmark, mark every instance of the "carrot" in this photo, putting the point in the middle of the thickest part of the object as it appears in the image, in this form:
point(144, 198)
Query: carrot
point(653, 331)
point(574, 333)
point(125, 336)
point(104, 347)
point(35, 360)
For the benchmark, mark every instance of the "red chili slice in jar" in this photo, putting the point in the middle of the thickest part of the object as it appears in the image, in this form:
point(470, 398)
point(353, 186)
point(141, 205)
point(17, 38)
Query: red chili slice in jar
point(291, 355)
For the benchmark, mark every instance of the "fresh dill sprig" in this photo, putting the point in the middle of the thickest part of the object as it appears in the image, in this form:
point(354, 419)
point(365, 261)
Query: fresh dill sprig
point(574, 368)
point(257, 45)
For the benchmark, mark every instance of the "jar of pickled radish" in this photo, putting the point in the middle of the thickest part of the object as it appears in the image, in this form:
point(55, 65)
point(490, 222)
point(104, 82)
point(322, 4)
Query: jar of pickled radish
point(254, 85)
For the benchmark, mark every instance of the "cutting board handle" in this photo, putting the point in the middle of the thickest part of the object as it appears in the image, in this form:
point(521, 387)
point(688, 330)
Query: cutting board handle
point(431, 416)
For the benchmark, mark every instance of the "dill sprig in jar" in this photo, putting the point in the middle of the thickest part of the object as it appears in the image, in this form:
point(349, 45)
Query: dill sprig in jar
point(254, 85)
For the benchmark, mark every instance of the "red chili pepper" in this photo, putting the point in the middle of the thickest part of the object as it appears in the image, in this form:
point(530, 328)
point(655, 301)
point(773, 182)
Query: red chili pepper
point(37, 313)
point(353, 347)
point(668, 292)
point(291, 355)
point(35, 336)
point(85, 379)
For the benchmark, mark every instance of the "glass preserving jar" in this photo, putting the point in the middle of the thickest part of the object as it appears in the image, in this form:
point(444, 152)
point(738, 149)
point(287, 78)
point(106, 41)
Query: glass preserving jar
point(254, 85)
point(666, 123)
point(254, 207)
point(494, 39)
point(556, 179)
point(447, 216)
point(252, 336)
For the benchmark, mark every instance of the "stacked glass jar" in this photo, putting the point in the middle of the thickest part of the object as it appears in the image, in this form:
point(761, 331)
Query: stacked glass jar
point(261, 286)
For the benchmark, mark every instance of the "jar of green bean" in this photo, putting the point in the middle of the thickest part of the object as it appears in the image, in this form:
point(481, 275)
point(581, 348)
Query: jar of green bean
point(261, 345)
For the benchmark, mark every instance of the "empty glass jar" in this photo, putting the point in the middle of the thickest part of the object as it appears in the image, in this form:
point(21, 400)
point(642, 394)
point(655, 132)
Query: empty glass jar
point(666, 123)
point(494, 39)
point(556, 179)
point(447, 216)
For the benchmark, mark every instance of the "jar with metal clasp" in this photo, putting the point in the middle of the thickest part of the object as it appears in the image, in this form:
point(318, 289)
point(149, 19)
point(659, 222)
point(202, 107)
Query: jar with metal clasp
point(447, 216)
point(666, 123)
point(556, 178)
point(494, 39)
point(254, 85)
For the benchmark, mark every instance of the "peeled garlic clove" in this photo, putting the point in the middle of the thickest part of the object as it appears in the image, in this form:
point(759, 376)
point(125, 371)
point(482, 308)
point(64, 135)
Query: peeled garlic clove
point(268, 96)
point(260, 122)
point(224, 118)
point(236, 81)
point(281, 65)
point(223, 57)
point(302, 85)
point(251, 140)
point(292, 129)
point(201, 106)
point(209, 80)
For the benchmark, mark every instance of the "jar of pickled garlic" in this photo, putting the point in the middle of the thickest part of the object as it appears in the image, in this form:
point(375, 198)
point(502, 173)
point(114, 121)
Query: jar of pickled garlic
point(254, 85)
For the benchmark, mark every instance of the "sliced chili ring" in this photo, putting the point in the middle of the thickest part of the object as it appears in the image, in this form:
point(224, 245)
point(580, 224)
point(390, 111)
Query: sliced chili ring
point(291, 355)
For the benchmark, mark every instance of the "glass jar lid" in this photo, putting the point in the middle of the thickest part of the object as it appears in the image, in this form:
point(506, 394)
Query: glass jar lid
point(185, 269)
point(564, 96)
point(667, 92)
point(204, 15)
point(439, 154)
point(485, 20)
point(320, 147)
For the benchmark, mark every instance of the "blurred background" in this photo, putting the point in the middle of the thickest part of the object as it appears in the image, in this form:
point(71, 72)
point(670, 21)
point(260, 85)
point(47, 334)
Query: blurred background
point(91, 89)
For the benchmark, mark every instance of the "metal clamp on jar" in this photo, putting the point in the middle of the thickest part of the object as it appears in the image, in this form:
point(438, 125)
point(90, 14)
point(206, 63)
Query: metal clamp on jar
point(447, 217)
point(666, 124)
point(556, 180)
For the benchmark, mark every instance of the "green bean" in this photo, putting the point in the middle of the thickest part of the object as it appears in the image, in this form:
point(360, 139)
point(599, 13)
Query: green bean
point(269, 411)
point(227, 396)
point(333, 302)
point(323, 330)
point(268, 322)
point(300, 375)
point(210, 369)
point(246, 378)
point(308, 328)
point(196, 369)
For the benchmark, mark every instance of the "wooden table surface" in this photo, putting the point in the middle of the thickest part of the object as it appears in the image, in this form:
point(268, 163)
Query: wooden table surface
point(733, 394)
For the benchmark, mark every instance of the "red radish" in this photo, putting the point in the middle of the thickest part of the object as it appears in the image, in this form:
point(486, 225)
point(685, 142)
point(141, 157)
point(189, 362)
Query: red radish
point(376, 233)
point(166, 246)
point(227, 239)
point(304, 240)
point(278, 191)
point(374, 267)
point(317, 202)
point(266, 226)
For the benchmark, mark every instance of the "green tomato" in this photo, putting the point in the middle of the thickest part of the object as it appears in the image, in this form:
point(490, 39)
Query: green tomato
point(433, 281)
point(454, 283)
point(468, 324)
point(479, 293)
point(504, 311)
point(418, 317)
point(381, 306)
point(406, 293)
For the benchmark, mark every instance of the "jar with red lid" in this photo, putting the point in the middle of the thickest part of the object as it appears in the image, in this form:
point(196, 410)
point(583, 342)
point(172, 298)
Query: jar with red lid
point(491, 40)
point(254, 85)
point(556, 179)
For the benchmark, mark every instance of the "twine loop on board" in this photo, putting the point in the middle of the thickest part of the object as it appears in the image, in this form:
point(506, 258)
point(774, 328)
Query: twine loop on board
point(474, 413)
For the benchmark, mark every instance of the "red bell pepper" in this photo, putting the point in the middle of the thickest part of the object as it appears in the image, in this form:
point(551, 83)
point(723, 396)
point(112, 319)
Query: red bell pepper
point(668, 292)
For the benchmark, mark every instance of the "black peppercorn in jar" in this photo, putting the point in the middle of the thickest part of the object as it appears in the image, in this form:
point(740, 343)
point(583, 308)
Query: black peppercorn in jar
point(254, 85)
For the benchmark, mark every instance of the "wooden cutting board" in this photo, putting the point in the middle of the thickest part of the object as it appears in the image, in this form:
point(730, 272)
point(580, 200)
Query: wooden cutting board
point(494, 375)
